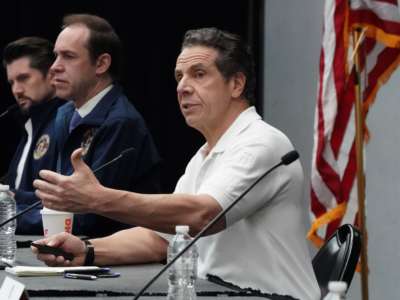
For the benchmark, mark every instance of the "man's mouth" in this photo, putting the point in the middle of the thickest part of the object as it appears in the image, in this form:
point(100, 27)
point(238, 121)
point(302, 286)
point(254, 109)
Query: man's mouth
point(186, 106)
point(23, 101)
point(59, 81)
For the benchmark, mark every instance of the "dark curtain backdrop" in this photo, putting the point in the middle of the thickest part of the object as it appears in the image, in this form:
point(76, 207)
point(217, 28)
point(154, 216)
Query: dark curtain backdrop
point(151, 32)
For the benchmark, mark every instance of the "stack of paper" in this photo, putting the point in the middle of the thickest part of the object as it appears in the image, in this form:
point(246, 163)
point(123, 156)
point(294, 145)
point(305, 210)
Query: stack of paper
point(44, 271)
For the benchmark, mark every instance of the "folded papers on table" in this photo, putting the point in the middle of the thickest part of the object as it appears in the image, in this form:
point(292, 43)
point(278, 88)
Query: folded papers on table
point(44, 271)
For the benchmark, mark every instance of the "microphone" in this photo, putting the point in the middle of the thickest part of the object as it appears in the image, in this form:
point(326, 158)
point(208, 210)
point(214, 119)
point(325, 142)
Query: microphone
point(287, 159)
point(9, 109)
point(37, 203)
point(123, 152)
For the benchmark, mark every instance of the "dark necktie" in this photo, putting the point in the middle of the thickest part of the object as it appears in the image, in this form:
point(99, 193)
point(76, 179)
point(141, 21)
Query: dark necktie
point(76, 118)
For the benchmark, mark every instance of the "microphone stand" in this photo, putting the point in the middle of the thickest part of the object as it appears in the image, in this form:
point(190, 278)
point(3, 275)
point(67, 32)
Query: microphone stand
point(37, 203)
point(285, 160)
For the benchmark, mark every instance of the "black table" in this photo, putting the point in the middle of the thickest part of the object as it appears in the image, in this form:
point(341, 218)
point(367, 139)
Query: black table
point(132, 279)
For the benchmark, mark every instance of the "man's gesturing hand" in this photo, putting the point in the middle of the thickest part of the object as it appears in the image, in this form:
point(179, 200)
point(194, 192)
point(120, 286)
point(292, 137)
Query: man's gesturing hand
point(68, 193)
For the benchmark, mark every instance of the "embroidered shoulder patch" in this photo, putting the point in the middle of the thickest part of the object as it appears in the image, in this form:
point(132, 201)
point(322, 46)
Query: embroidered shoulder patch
point(87, 140)
point(42, 145)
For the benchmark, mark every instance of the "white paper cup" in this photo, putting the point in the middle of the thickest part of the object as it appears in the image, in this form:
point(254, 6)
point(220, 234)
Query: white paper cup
point(55, 221)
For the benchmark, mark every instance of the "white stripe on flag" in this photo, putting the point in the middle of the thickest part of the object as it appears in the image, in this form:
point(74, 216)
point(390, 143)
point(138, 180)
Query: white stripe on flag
point(385, 11)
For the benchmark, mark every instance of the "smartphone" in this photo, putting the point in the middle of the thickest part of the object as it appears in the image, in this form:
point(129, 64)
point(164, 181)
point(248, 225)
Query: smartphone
point(90, 271)
point(45, 249)
point(109, 275)
point(99, 273)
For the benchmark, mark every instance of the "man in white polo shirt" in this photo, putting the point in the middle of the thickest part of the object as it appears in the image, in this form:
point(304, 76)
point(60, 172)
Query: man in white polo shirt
point(260, 244)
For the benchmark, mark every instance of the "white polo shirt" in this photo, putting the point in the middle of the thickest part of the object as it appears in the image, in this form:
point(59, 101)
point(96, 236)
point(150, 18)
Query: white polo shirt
point(264, 245)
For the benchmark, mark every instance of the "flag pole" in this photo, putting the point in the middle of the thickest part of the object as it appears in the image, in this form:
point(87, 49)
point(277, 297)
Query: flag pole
point(360, 167)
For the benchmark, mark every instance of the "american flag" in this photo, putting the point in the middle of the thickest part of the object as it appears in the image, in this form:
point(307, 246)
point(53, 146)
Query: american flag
point(333, 170)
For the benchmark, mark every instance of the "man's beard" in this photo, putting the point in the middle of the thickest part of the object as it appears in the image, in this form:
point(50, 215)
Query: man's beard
point(25, 111)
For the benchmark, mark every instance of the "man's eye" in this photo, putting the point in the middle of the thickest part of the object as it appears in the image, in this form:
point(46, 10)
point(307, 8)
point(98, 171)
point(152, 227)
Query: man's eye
point(67, 56)
point(178, 78)
point(199, 74)
point(23, 78)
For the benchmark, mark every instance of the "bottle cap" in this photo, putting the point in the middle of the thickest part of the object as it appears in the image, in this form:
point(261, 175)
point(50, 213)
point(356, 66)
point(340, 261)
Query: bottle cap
point(337, 286)
point(182, 229)
point(4, 188)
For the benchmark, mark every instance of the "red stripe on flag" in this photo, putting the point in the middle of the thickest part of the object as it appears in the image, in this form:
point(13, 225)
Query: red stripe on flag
point(339, 62)
point(316, 207)
point(385, 59)
point(339, 65)
point(329, 176)
point(345, 106)
point(364, 16)
point(394, 2)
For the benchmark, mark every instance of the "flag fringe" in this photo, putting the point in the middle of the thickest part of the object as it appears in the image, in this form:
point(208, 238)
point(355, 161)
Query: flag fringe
point(381, 81)
point(329, 216)
point(390, 40)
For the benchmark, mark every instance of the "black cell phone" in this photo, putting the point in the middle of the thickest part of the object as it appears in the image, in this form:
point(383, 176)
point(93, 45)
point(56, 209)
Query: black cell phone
point(109, 275)
point(99, 273)
point(53, 250)
point(90, 271)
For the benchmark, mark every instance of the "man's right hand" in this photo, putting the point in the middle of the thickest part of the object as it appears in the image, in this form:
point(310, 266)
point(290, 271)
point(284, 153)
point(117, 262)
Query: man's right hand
point(68, 243)
point(74, 193)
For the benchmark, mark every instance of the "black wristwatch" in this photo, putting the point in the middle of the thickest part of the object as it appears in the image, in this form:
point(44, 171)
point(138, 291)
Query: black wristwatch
point(89, 259)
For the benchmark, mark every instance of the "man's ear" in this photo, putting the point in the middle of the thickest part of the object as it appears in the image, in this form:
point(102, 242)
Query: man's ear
point(103, 63)
point(238, 84)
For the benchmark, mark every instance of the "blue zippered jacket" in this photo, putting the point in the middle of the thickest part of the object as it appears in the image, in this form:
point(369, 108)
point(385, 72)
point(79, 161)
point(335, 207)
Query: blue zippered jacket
point(42, 155)
point(111, 127)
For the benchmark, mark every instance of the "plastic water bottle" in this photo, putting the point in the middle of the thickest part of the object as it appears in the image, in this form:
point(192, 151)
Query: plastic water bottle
point(337, 290)
point(183, 273)
point(8, 245)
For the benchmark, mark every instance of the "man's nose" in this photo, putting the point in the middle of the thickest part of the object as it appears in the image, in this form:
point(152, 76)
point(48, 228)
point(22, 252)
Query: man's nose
point(17, 89)
point(56, 66)
point(184, 87)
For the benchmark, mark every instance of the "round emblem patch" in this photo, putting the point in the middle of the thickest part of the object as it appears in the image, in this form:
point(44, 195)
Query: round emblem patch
point(42, 145)
point(87, 140)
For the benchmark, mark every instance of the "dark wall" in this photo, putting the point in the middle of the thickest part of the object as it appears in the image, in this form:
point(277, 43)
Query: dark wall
point(151, 32)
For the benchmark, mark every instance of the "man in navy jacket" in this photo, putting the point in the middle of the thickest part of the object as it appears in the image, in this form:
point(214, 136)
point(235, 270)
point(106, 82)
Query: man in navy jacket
point(99, 118)
point(27, 62)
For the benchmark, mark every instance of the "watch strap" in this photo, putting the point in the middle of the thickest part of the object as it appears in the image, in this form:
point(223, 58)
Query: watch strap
point(89, 259)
